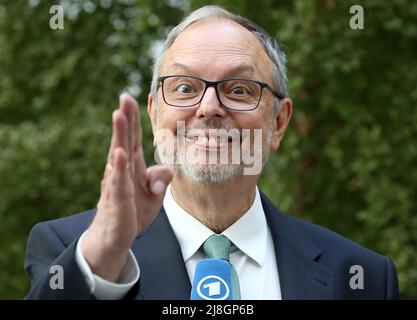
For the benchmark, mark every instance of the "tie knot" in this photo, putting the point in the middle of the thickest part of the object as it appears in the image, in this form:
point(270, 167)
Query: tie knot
point(217, 247)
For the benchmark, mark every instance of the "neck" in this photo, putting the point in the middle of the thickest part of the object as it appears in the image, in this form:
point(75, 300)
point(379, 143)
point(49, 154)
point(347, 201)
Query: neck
point(218, 205)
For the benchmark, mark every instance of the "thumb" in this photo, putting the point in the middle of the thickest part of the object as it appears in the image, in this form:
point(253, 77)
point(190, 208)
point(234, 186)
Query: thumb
point(159, 177)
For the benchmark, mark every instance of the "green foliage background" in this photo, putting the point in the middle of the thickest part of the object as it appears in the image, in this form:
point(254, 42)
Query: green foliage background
point(348, 161)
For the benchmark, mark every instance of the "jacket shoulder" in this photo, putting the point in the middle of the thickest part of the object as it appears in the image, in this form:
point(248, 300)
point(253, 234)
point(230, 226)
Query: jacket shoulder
point(331, 242)
point(66, 228)
point(340, 253)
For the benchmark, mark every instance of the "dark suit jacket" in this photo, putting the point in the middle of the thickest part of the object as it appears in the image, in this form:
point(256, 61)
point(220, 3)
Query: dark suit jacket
point(313, 262)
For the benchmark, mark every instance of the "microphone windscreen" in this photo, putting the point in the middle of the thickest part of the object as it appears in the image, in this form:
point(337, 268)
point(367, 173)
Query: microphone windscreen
point(212, 280)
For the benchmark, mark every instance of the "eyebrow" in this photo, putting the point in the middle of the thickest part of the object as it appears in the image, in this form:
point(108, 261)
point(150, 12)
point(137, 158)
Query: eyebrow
point(241, 68)
point(244, 67)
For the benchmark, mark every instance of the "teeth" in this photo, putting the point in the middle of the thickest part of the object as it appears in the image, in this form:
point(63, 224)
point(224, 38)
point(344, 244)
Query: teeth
point(210, 140)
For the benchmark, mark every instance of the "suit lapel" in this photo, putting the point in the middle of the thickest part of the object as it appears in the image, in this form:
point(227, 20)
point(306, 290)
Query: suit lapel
point(163, 272)
point(301, 275)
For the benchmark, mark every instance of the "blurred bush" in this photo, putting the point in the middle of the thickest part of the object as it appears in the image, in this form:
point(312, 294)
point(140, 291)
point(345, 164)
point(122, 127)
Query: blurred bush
point(348, 161)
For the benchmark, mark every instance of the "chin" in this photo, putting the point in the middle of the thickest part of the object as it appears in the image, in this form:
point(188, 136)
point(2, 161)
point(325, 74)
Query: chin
point(211, 173)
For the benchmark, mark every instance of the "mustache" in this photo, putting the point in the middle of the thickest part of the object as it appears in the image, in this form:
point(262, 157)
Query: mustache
point(212, 124)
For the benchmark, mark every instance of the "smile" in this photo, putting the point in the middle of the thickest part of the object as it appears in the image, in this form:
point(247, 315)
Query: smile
point(211, 142)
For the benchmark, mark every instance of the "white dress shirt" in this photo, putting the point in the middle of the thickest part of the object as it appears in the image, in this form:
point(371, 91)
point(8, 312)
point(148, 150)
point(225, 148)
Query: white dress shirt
point(103, 289)
point(254, 259)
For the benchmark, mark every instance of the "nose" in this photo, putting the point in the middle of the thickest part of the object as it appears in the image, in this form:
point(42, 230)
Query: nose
point(210, 106)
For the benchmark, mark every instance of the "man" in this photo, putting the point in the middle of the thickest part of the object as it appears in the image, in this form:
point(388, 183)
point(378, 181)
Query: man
point(153, 226)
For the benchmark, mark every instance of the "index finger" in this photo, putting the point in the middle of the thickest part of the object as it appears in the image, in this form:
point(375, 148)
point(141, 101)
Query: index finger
point(119, 133)
point(131, 109)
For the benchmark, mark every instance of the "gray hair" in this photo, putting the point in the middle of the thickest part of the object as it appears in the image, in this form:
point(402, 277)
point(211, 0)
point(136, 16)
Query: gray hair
point(271, 47)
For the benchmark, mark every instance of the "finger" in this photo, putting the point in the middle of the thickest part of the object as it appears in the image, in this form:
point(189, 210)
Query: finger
point(119, 126)
point(159, 177)
point(139, 168)
point(117, 183)
point(137, 127)
point(133, 107)
point(128, 105)
point(118, 134)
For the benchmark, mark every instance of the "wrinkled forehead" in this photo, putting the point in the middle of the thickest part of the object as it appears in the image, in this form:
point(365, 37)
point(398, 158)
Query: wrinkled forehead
point(217, 48)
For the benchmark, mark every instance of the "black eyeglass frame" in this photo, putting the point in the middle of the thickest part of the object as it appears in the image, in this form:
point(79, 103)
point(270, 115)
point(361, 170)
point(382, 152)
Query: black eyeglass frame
point(215, 85)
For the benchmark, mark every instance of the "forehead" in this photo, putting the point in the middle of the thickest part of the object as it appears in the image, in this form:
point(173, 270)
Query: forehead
point(216, 47)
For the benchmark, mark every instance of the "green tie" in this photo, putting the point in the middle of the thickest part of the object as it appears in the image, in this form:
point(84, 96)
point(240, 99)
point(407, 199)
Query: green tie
point(218, 247)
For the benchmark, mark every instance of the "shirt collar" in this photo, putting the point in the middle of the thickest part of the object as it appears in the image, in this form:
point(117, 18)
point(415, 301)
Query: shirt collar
point(248, 233)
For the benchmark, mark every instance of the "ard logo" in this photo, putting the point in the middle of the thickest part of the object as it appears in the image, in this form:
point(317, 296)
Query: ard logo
point(213, 287)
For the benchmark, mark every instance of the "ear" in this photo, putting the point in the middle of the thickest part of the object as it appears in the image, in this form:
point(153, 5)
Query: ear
point(282, 119)
point(152, 114)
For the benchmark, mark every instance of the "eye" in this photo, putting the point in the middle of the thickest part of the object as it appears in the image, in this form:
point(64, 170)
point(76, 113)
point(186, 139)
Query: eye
point(239, 90)
point(184, 88)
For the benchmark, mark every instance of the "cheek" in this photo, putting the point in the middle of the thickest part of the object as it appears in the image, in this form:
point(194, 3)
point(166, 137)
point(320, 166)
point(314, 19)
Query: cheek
point(169, 117)
point(259, 118)
point(250, 120)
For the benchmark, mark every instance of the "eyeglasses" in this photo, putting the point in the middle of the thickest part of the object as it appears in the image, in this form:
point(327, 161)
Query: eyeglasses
point(235, 94)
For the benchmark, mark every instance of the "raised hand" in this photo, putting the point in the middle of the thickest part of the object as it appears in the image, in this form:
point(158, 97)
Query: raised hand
point(131, 195)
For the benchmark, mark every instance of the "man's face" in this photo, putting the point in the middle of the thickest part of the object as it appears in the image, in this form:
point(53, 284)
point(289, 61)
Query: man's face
point(215, 50)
